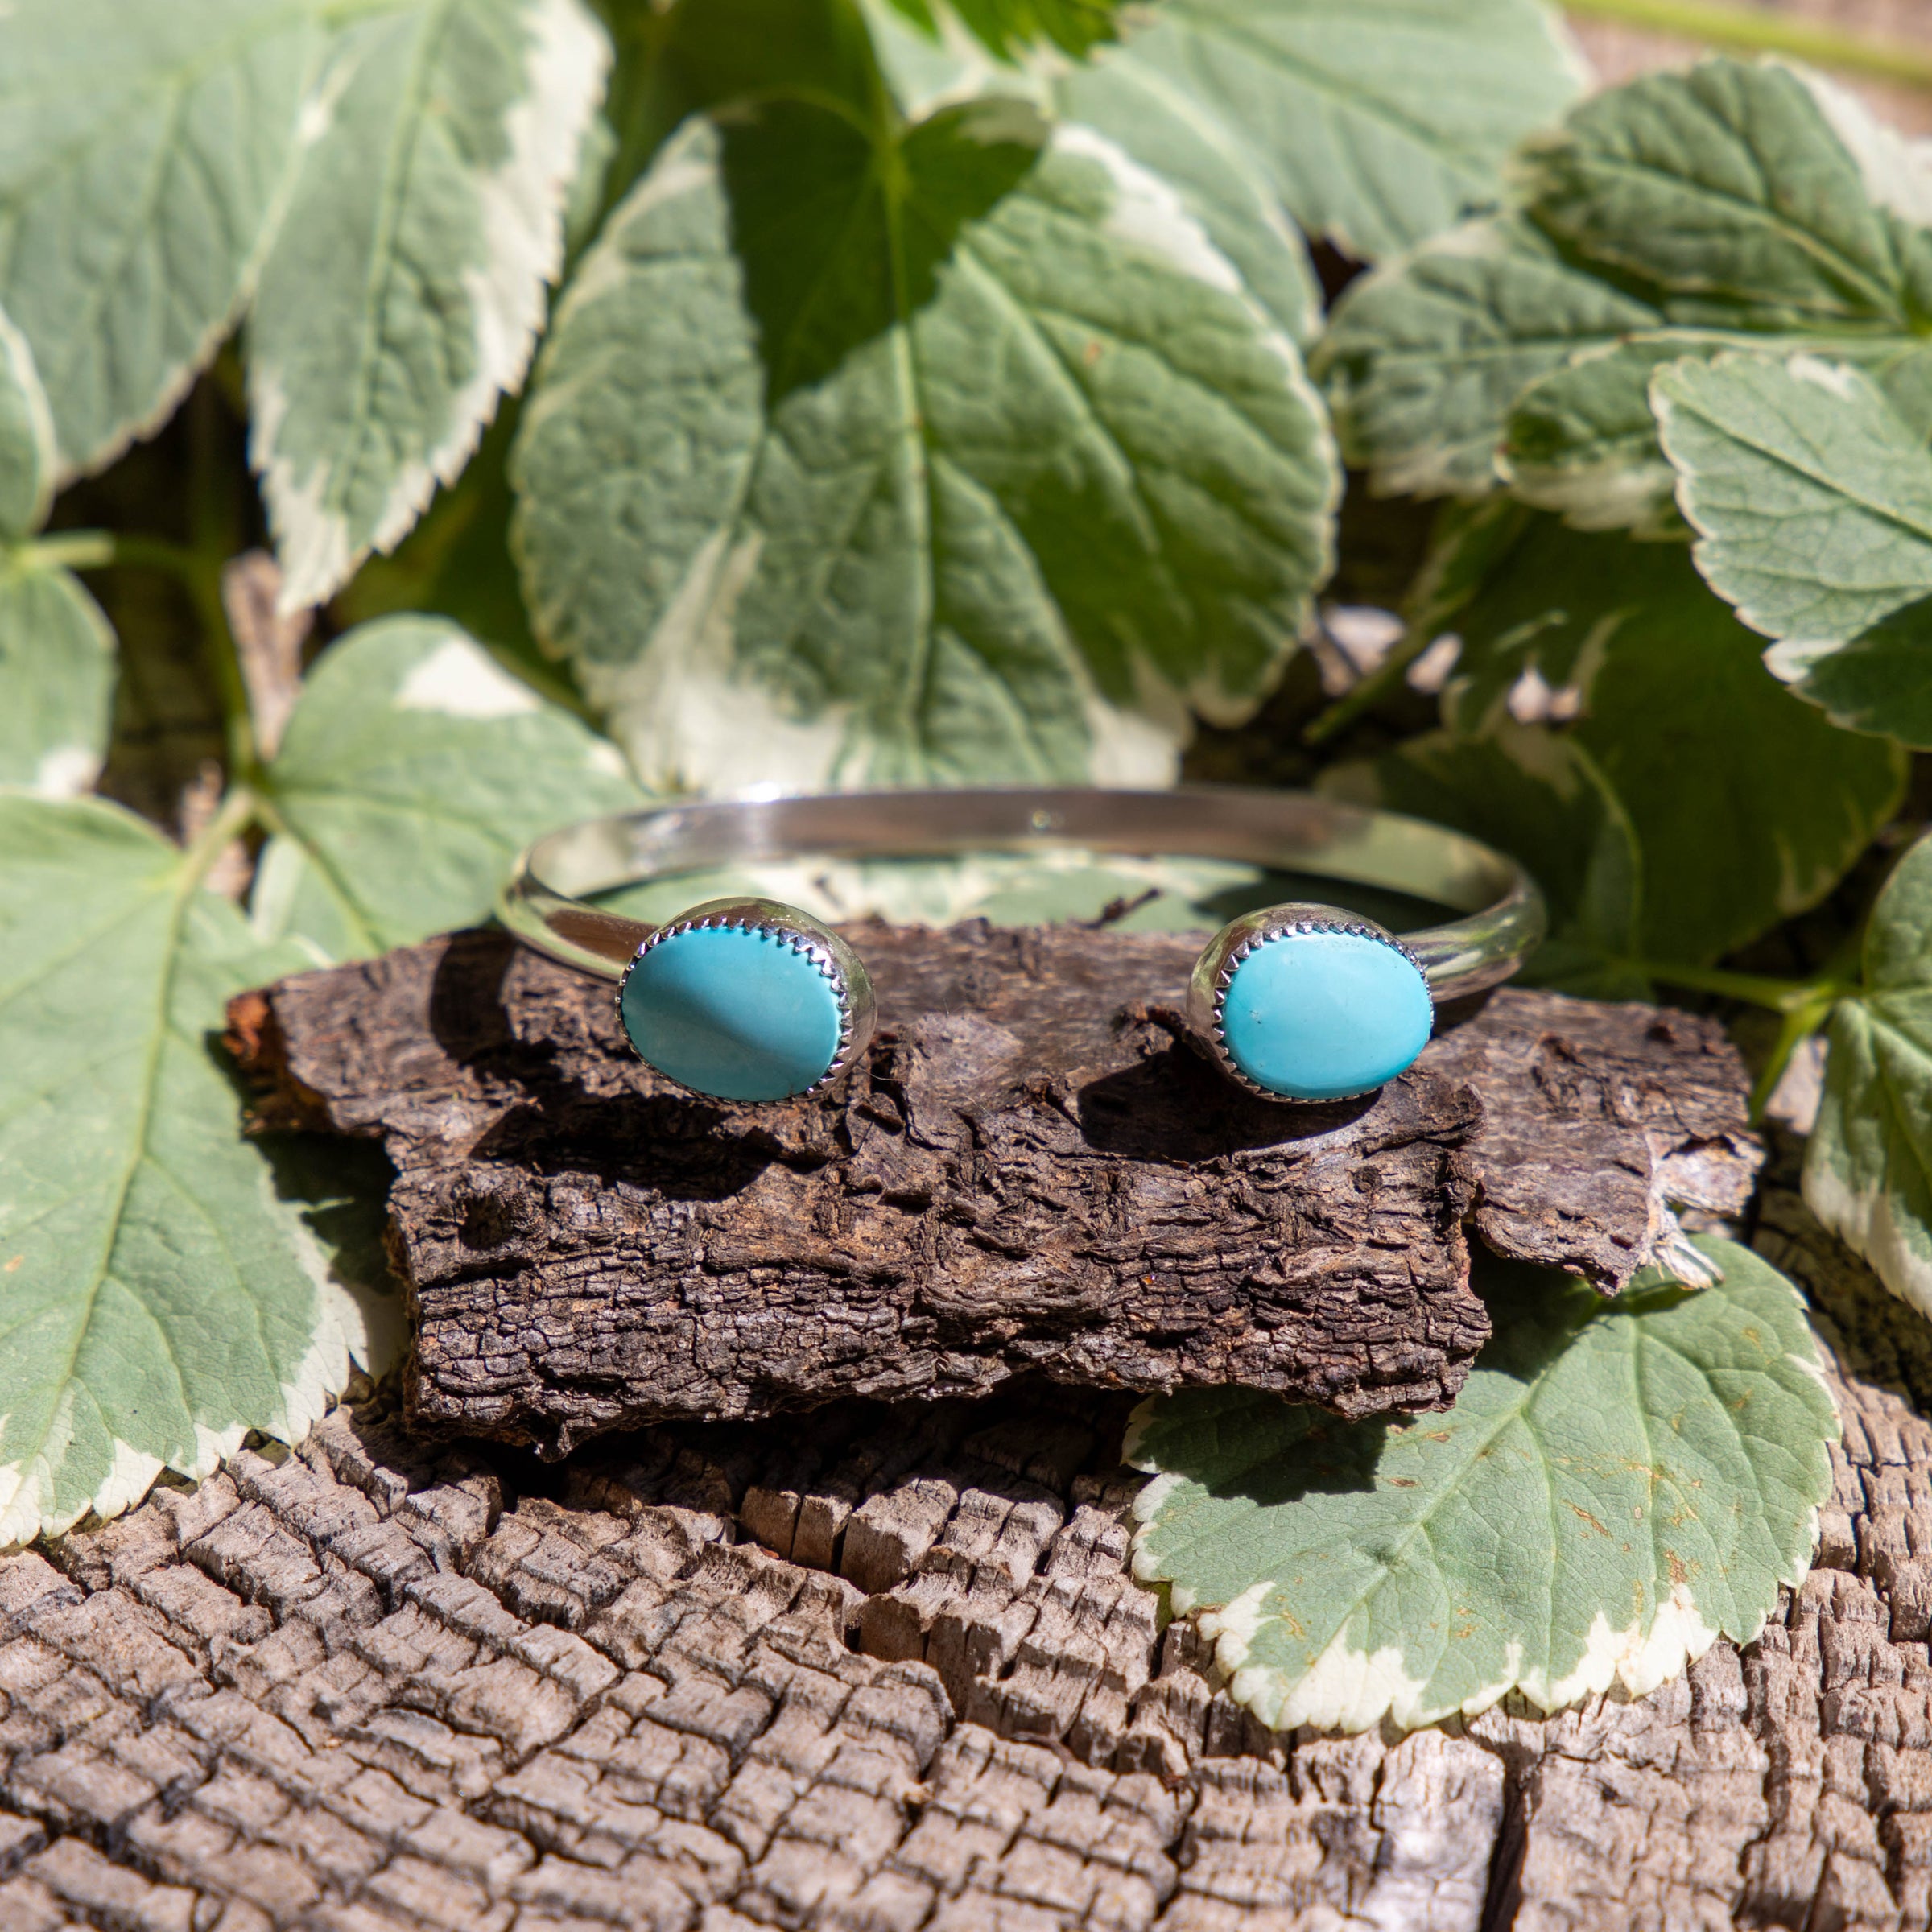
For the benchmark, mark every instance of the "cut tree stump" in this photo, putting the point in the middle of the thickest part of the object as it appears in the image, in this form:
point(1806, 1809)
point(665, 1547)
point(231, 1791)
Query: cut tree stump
point(883, 1668)
point(1035, 1173)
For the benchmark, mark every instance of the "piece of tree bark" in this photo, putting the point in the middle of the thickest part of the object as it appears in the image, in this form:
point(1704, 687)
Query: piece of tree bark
point(1599, 1120)
point(1035, 1173)
point(883, 1668)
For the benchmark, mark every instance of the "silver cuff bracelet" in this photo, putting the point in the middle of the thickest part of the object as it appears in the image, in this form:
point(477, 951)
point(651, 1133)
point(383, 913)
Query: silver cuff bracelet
point(749, 999)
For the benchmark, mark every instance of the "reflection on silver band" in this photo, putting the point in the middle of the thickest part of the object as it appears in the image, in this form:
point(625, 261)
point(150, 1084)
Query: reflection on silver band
point(1501, 911)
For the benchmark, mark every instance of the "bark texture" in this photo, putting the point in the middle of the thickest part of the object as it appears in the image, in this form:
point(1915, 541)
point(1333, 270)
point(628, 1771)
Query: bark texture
point(1035, 1174)
point(866, 1671)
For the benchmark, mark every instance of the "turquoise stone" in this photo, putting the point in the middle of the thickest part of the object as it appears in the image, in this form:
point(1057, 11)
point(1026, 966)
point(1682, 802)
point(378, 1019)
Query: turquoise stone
point(1317, 1016)
point(736, 1012)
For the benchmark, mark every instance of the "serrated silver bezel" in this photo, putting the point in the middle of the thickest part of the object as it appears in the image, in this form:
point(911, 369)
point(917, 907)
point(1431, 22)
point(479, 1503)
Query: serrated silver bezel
point(1215, 970)
point(851, 984)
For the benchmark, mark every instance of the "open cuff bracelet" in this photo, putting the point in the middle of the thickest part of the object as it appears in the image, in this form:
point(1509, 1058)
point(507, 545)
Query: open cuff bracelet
point(750, 1000)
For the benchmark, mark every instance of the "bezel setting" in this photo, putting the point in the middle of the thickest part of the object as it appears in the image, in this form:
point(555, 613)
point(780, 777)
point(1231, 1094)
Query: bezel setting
point(801, 934)
point(1242, 938)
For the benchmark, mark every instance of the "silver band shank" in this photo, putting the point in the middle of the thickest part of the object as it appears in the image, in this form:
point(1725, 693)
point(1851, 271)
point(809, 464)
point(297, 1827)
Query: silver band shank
point(1502, 911)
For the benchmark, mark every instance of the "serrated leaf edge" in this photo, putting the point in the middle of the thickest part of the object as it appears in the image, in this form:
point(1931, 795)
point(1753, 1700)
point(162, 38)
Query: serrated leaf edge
point(565, 66)
point(350, 1328)
point(1348, 1689)
point(1865, 1219)
point(1840, 379)
point(350, 1323)
point(1895, 169)
point(679, 708)
point(1150, 214)
point(176, 383)
point(18, 354)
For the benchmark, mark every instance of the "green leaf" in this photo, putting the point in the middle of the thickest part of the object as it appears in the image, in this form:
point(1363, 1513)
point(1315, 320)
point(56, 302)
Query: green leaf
point(691, 56)
point(1812, 496)
point(1680, 215)
point(455, 563)
point(950, 456)
point(1744, 806)
point(1370, 129)
point(1423, 359)
point(142, 151)
point(1748, 807)
point(1868, 1165)
point(1375, 126)
point(716, 51)
point(1008, 26)
point(924, 68)
point(1741, 195)
point(1379, 121)
point(27, 439)
point(1880, 683)
point(1132, 97)
point(1137, 103)
point(163, 1297)
point(56, 649)
point(1581, 440)
point(1618, 1484)
point(412, 772)
point(56, 679)
point(406, 284)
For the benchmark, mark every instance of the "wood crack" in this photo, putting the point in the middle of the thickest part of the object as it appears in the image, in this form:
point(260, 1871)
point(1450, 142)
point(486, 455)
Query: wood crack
point(882, 1666)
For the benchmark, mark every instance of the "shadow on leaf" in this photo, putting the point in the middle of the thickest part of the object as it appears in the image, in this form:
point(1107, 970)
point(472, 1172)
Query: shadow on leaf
point(841, 229)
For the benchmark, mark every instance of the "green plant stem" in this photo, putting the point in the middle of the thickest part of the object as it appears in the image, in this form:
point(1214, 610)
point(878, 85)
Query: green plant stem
point(72, 550)
point(1799, 1024)
point(237, 812)
point(1752, 30)
point(1752, 988)
point(1364, 696)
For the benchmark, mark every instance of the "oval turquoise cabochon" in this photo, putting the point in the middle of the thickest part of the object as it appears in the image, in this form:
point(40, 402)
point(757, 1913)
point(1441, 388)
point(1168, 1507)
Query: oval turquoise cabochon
point(736, 1012)
point(1319, 1016)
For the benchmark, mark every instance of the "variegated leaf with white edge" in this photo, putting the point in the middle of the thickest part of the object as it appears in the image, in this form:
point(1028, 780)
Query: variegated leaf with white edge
point(1868, 1164)
point(412, 771)
point(1812, 497)
point(1422, 359)
point(56, 646)
point(165, 1292)
point(1137, 104)
point(1612, 727)
point(1620, 1483)
point(1368, 126)
point(1583, 440)
point(1133, 97)
point(1738, 205)
point(27, 452)
point(1010, 513)
point(56, 678)
point(405, 286)
point(144, 151)
point(1007, 27)
point(1379, 122)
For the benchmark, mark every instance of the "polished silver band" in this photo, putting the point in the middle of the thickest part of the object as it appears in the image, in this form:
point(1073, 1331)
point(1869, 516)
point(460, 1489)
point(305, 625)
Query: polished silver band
point(545, 902)
point(1502, 911)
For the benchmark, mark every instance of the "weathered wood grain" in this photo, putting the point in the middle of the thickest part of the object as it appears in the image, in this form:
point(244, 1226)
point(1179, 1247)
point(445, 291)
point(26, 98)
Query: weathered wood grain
point(1035, 1174)
point(882, 1668)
